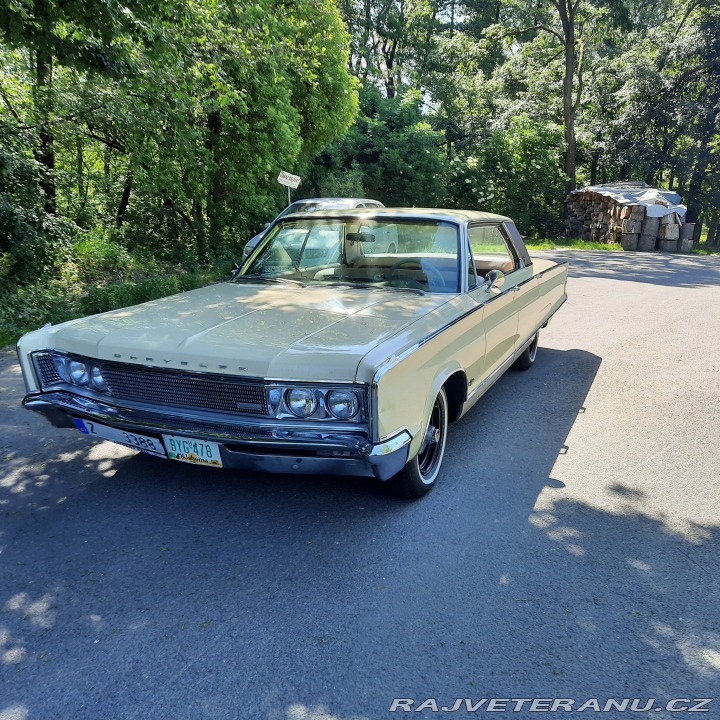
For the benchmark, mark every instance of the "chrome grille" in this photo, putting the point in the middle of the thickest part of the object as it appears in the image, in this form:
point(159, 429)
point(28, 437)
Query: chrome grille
point(48, 372)
point(170, 388)
point(159, 387)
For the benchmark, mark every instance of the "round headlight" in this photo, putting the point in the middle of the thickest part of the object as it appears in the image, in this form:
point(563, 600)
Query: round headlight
point(98, 380)
point(343, 404)
point(78, 372)
point(302, 402)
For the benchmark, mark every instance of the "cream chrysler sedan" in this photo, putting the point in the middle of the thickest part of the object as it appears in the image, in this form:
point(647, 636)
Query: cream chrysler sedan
point(323, 354)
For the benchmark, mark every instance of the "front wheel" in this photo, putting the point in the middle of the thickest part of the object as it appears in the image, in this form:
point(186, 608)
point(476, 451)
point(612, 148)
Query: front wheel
point(418, 477)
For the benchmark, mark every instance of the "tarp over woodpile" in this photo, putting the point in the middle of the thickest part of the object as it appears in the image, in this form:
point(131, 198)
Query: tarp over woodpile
point(633, 214)
point(658, 201)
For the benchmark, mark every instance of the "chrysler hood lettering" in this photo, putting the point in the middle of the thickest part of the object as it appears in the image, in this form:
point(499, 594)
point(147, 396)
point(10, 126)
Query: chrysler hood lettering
point(275, 330)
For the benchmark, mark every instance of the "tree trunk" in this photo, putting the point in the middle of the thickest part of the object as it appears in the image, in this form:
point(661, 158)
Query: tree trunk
point(712, 234)
point(698, 229)
point(216, 191)
point(197, 212)
point(389, 51)
point(45, 153)
point(567, 17)
point(595, 159)
point(125, 199)
point(80, 176)
point(699, 173)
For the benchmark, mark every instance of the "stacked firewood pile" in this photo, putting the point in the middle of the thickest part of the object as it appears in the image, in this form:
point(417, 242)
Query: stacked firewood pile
point(621, 213)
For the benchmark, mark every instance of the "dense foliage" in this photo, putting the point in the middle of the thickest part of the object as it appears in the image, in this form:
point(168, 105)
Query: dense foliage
point(142, 140)
point(133, 134)
point(531, 98)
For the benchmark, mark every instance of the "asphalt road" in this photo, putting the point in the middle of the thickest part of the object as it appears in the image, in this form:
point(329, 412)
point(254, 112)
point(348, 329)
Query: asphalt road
point(569, 551)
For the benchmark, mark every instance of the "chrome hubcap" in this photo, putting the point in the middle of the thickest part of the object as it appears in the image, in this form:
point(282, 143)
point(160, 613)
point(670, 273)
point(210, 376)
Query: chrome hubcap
point(533, 348)
point(430, 455)
point(431, 436)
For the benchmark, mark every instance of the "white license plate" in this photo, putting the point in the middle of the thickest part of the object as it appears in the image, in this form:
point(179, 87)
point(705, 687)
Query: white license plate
point(191, 450)
point(143, 443)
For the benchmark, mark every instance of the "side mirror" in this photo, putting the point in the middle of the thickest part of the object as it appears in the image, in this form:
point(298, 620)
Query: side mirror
point(495, 279)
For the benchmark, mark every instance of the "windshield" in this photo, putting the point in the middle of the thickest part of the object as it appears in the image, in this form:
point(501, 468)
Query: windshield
point(419, 254)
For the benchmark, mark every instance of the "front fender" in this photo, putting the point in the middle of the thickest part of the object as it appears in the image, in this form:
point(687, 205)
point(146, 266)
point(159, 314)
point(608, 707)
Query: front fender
point(405, 389)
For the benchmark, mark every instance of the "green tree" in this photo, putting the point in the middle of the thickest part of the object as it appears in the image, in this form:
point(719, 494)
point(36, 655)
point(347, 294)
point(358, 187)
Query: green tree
point(170, 122)
point(515, 172)
point(658, 102)
point(391, 153)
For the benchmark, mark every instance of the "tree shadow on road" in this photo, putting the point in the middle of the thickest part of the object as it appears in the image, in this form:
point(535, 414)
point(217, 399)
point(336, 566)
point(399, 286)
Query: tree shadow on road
point(156, 589)
point(670, 270)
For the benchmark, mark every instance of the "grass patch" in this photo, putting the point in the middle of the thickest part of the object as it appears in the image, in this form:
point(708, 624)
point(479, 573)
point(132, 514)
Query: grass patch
point(705, 250)
point(578, 244)
point(55, 301)
point(571, 244)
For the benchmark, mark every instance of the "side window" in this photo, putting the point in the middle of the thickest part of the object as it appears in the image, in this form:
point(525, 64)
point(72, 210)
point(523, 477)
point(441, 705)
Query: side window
point(472, 275)
point(490, 250)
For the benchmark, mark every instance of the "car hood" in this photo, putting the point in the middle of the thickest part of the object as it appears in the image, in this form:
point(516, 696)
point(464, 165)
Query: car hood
point(257, 330)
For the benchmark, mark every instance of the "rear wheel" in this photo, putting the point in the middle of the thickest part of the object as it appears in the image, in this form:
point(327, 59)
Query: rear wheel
point(527, 359)
point(418, 477)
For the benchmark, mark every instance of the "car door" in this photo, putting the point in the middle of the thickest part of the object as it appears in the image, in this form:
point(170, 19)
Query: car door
point(490, 251)
point(527, 288)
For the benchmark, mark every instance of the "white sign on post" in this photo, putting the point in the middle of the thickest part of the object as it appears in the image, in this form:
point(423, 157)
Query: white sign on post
point(292, 181)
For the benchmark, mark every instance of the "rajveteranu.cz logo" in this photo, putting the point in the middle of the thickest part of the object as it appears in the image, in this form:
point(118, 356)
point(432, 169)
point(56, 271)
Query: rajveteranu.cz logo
point(677, 705)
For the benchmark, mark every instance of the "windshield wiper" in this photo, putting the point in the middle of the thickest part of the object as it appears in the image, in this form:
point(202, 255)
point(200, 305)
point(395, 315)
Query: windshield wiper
point(372, 286)
point(269, 279)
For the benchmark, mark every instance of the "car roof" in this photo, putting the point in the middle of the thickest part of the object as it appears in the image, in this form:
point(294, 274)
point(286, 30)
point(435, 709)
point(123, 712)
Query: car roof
point(455, 216)
point(328, 200)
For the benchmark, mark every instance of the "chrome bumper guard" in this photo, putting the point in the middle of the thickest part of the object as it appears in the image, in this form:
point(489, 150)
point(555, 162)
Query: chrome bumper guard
point(247, 444)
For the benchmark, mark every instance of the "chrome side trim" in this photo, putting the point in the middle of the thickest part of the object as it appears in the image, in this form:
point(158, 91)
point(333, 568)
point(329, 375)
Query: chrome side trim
point(495, 375)
point(395, 359)
point(550, 269)
point(486, 384)
point(525, 282)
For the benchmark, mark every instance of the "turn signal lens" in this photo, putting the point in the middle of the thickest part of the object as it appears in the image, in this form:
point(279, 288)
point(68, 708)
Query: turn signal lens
point(301, 401)
point(343, 404)
point(98, 380)
point(61, 367)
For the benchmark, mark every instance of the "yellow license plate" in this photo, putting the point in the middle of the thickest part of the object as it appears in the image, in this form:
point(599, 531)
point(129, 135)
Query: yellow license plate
point(191, 450)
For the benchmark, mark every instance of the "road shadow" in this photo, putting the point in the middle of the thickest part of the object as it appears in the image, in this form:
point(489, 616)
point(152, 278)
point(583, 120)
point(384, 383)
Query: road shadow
point(136, 588)
point(670, 270)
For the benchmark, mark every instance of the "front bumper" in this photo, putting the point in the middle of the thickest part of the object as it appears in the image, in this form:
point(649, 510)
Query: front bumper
point(247, 444)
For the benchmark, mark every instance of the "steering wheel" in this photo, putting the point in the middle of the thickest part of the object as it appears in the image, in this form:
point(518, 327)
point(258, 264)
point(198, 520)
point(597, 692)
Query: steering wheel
point(437, 278)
